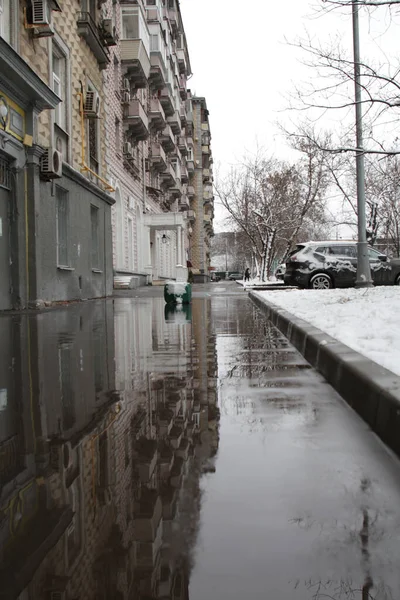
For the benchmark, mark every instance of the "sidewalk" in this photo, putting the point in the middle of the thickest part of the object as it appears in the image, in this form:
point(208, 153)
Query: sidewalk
point(351, 337)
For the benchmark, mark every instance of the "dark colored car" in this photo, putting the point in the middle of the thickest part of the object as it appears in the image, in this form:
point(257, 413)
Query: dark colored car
point(280, 271)
point(323, 265)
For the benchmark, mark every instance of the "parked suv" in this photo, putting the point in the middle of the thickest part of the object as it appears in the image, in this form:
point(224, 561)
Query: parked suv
point(323, 265)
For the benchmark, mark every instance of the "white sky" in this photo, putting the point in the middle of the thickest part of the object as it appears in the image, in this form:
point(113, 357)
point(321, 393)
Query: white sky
point(244, 68)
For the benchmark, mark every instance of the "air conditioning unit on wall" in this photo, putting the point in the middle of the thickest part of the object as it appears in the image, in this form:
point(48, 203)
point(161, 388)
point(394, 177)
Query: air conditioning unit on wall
point(91, 106)
point(51, 164)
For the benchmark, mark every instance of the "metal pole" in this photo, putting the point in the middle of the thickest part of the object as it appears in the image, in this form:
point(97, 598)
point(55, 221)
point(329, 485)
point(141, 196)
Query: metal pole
point(363, 267)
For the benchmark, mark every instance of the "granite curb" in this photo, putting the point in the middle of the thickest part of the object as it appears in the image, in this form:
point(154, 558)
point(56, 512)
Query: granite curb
point(371, 390)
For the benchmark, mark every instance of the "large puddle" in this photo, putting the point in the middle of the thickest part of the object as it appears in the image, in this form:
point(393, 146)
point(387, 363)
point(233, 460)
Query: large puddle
point(152, 453)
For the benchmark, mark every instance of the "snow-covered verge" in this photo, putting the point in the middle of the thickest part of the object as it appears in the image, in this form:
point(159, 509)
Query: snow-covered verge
point(366, 320)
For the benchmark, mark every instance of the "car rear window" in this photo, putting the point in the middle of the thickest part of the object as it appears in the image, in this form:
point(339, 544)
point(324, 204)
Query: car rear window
point(297, 249)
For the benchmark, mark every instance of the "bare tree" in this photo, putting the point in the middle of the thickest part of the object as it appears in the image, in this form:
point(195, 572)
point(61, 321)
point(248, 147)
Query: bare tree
point(331, 86)
point(273, 202)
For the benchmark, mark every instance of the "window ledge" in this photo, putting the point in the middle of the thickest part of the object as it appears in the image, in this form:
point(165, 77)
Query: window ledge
point(64, 268)
point(97, 271)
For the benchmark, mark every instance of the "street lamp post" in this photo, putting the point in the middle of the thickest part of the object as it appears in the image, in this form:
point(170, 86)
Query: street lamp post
point(363, 267)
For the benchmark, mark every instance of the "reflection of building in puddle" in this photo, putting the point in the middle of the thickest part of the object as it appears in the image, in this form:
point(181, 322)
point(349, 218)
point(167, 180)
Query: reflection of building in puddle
point(100, 488)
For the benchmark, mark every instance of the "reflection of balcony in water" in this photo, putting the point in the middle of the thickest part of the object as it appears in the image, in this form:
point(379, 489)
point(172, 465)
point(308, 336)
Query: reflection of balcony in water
point(101, 458)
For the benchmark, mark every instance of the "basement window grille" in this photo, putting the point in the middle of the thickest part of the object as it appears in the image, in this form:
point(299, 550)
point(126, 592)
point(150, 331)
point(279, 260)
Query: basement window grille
point(5, 174)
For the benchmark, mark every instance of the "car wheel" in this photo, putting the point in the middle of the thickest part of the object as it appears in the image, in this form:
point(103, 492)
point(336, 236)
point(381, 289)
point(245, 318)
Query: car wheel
point(397, 281)
point(321, 281)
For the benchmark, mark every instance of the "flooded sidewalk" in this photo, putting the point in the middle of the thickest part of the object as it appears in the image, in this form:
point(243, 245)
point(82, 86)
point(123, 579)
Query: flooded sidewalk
point(152, 453)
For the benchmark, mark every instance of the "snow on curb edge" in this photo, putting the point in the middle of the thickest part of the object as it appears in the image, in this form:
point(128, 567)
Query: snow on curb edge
point(370, 389)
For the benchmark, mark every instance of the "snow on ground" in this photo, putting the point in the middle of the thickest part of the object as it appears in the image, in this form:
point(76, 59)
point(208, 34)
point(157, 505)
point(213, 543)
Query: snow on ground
point(367, 320)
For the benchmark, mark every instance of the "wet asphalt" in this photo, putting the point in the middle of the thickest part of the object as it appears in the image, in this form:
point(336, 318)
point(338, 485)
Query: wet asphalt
point(191, 453)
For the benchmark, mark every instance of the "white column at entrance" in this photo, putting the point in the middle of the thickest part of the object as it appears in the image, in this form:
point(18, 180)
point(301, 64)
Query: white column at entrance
point(179, 245)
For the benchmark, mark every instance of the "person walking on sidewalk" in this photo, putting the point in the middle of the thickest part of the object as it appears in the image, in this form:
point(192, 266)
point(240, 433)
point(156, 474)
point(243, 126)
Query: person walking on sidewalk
point(247, 274)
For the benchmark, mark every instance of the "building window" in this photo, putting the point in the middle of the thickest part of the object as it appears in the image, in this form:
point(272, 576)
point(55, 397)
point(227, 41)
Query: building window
point(118, 136)
point(5, 20)
point(134, 26)
point(60, 85)
point(130, 23)
point(62, 227)
point(94, 220)
point(93, 140)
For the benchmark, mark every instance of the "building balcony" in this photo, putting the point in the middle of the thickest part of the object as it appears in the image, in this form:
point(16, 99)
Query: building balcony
point(182, 114)
point(182, 87)
point(168, 177)
point(147, 516)
point(205, 149)
point(190, 143)
point(205, 126)
point(136, 120)
point(190, 192)
point(135, 61)
point(176, 189)
point(182, 62)
point(174, 121)
point(208, 196)
point(182, 145)
point(191, 215)
point(206, 175)
point(184, 203)
point(207, 220)
point(190, 166)
point(172, 17)
point(158, 159)
point(89, 31)
point(157, 71)
point(184, 174)
point(153, 15)
point(167, 139)
point(156, 115)
point(167, 101)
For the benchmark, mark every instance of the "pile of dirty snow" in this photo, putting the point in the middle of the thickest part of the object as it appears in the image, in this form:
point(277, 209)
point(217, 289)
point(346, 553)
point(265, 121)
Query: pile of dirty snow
point(367, 320)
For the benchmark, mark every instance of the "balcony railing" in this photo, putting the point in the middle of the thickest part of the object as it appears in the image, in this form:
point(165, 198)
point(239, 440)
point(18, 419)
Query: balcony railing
point(157, 71)
point(89, 31)
point(136, 120)
point(157, 115)
point(136, 61)
point(167, 139)
point(174, 122)
point(158, 159)
point(167, 101)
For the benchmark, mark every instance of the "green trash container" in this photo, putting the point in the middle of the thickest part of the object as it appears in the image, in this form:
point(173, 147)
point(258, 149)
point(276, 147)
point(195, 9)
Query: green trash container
point(177, 292)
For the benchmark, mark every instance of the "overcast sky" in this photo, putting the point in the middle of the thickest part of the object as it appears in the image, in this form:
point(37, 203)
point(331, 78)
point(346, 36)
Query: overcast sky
point(245, 69)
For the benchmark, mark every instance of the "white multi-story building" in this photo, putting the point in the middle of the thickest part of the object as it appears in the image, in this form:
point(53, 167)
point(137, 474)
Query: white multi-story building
point(149, 140)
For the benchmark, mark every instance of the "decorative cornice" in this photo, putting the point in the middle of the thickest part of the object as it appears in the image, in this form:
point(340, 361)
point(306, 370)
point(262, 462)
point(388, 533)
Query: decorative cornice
point(21, 76)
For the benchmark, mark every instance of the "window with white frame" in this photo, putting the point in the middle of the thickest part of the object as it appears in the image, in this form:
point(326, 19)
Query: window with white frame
point(134, 26)
point(5, 20)
point(60, 84)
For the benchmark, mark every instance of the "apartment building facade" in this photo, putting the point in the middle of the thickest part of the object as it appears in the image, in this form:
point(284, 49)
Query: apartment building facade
point(97, 150)
point(202, 208)
point(149, 134)
point(56, 205)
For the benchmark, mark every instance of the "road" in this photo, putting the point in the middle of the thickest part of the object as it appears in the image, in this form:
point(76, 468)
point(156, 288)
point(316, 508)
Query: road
point(149, 453)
